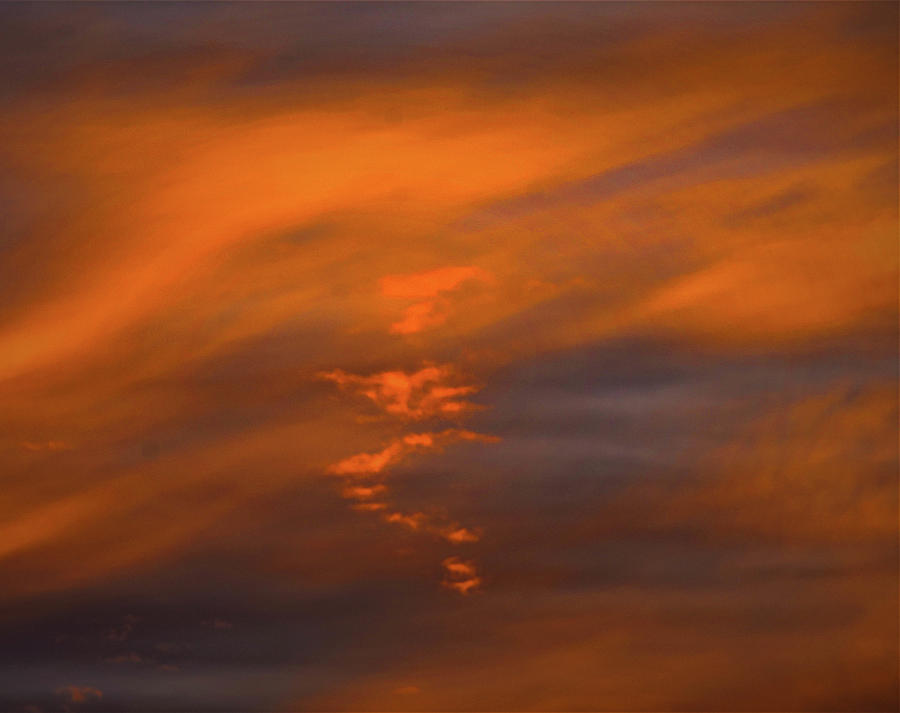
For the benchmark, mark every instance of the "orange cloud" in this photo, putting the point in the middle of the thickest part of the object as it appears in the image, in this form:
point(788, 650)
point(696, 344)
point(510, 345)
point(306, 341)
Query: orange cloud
point(362, 492)
point(413, 395)
point(461, 576)
point(417, 317)
point(421, 522)
point(459, 535)
point(80, 694)
point(430, 283)
point(464, 586)
point(187, 245)
point(414, 521)
point(369, 463)
point(369, 507)
point(787, 476)
point(426, 287)
point(457, 568)
point(373, 463)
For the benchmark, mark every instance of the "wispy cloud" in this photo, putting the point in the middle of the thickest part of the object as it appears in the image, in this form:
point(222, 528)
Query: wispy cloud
point(413, 395)
point(261, 266)
point(400, 448)
point(80, 694)
point(461, 576)
point(428, 289)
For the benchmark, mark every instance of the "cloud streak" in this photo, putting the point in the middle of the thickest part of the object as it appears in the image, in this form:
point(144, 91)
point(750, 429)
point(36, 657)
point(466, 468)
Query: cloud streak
point(412, 395)
point(460, 576)
point(429, 290)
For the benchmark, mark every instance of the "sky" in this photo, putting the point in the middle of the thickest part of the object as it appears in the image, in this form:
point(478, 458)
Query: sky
point(449, 357)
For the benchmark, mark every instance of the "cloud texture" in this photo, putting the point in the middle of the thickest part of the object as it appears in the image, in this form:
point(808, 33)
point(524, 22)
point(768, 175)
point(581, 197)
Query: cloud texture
point(448, 355)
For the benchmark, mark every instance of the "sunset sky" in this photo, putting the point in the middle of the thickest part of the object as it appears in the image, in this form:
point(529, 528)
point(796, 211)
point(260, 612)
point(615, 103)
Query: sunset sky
point(449, 357)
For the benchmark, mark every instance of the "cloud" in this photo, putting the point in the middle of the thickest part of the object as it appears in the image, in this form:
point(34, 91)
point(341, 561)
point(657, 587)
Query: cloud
point(458, 568)
point(463, 586)
point(399, 448)
point(430, 283)
point(413, 521)
point(430, 310)
point(417, 317)
point(369, 507)
point(458, 535)
point(780, 479)
point(80, 694)
point(422, 522)
point(362, 492)
point(412, 395)
point(460, 576)
point(785, 477)
point(370, 463)
point(206, 206)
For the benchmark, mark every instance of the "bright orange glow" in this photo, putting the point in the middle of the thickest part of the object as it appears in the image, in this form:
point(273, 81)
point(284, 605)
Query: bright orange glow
point(427, 357)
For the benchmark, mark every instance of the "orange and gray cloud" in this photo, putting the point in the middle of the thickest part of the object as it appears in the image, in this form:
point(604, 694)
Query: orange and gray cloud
point(413, 395)
point(399, 448)
point(267, 272)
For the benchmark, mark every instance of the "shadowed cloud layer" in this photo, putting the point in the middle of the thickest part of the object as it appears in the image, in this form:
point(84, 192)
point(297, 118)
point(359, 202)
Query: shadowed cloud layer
point(489, 356)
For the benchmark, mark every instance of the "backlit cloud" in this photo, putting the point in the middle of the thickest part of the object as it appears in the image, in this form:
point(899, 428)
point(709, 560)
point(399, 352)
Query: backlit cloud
point(460, 576)
point(413, 521)
point(314, 316)
point(414, 395)
point(428, 289)
point(362, 492)
point(458, 535)
point(400, 448)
